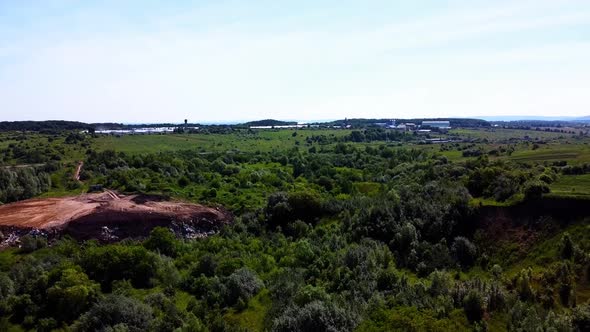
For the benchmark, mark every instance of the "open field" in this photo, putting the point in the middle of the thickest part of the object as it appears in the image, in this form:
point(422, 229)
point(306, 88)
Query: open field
point(572, 185)
point(572, 153)
point(263, 140)
point(501, 134)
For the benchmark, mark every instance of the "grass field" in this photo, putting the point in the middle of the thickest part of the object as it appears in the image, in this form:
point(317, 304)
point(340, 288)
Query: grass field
point(496, 134)
point(572, 153)
point(263, 141)
point(572, 185)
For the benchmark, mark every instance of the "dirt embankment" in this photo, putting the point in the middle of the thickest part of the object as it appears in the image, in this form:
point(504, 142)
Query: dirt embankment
point(108, 217)
point(523, 225)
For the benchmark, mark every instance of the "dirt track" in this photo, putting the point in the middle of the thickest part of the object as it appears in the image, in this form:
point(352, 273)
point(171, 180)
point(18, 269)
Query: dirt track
point(78, 170)
point(107, 216)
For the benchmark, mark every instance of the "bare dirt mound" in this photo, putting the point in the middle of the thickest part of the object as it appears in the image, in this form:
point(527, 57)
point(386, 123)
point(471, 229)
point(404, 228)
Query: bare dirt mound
point(110, 217)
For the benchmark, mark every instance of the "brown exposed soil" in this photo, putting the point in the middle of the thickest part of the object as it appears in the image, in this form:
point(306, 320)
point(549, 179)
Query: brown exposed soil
point(109, 217)
point(78, 170)
point(521, 226)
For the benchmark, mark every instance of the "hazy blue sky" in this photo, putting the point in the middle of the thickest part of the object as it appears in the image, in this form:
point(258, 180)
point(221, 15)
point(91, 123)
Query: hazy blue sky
point(153, 61)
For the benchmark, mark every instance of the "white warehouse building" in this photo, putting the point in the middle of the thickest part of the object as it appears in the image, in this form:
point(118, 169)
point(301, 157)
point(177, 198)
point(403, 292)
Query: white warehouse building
point(437, 124)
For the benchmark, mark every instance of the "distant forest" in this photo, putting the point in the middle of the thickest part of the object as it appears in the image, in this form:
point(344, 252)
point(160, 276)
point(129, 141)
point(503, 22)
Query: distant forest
point(269, 122)
point(43, 126)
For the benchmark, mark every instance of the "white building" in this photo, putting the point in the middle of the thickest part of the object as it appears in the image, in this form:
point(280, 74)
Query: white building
point(437, 124)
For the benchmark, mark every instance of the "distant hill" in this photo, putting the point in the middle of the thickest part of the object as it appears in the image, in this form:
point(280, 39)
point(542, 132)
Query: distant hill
point(50, 125)
point(536, 118)
point(269, 122)
point(111, 125)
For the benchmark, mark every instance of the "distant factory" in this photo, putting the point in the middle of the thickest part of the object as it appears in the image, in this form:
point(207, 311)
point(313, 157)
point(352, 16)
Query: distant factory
point(436, 124)
point(425, 126)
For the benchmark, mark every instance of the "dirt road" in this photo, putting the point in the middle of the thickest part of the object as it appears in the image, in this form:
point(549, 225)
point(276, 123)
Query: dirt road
point(78, 170)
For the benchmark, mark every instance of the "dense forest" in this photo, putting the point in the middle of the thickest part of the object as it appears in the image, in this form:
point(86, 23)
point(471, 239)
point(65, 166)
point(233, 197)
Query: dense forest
point(335, 233)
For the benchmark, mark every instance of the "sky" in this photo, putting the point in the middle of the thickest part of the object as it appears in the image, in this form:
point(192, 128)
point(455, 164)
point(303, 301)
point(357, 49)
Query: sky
point(142, 61)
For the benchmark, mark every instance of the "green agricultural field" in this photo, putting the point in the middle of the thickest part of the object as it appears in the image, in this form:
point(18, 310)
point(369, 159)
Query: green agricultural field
point(500, 134)
point(572, 153)
point(572, 185)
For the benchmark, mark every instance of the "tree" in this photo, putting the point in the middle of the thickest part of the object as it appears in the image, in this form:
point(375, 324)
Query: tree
point(567, 247)
point(71, 295)
point(534, 190)
point(118, 262)
point(474, 306)
point(162, 240)
point(241, 286)
point(30, 243)
point(116, 312)
point(464, 251)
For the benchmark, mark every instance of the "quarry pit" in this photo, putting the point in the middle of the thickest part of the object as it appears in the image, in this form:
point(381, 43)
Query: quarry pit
point(107, 217)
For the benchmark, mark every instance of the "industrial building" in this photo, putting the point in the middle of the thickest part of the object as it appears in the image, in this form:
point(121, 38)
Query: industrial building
point(437, 124)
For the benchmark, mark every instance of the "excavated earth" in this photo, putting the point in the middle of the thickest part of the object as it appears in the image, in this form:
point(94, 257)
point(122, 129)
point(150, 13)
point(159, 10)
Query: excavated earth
point(107, 217)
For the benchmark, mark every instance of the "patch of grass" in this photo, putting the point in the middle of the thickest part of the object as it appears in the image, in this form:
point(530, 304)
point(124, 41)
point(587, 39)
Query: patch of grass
point(494, 134)
point(182, 298)
point(367, 188)
point(480, 201)
point(251, 318)
point(412, 319)
point(8, 257)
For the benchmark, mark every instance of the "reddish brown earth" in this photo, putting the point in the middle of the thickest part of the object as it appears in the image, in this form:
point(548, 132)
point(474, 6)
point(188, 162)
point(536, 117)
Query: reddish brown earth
point(109, 217)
